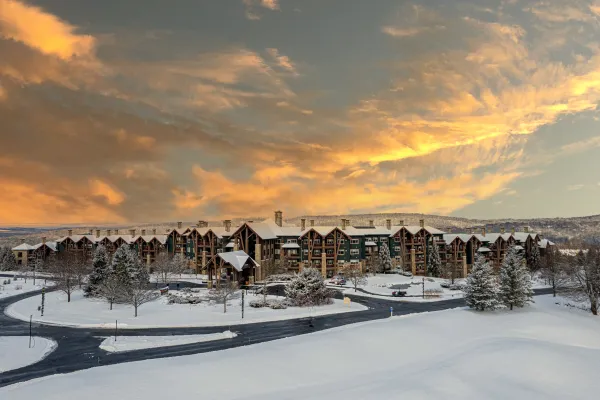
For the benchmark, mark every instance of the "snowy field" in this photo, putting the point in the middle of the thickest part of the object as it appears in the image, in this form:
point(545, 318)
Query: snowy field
point(192, 278)
point(129, 343)
point(84, 312)
point(382, 286)
point(15, 352)
point(541, 352)
point(18, 287)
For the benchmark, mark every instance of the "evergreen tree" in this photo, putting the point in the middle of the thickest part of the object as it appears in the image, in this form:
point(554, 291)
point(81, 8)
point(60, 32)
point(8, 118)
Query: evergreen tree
point(101, 269)
point(481, 290)
point(534, 258)
point(515, 281)
point(8, 262)
point(124, 264)
point(308, 289)
point(385, 259)
point(434, 262)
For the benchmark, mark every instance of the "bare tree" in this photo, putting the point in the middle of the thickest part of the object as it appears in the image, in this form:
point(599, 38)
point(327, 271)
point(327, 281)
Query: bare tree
point(355, 275)
point(81, 270)
point(584, 278)
point(137, 293)
point(64, 269)
point(224, 292)
point(112, 290)
point(167, 266)
point(553, 268)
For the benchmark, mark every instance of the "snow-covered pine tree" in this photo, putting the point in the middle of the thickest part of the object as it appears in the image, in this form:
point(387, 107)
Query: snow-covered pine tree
point(308, 289)
point(515, 281)
point(101, 269)
point(481, 290)
point(2, 255)
point(124, 264)
point(385, 259)
point(434, 261)
point(8, 262)
point(534, 260)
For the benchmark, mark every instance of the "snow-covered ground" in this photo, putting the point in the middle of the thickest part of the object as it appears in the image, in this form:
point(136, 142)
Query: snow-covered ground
point(382, 286)
point(192, 278)
point(84, 312)
point(19, 286)
point(541, 352)
point(16, 353)
point(129, 343)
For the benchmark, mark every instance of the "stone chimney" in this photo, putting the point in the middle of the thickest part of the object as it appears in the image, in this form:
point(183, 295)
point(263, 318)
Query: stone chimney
point(347, 223)
point(70, 232)
point(202, 224)
point(116, 232)
point(526, 229)
point(401, 222)
point(302, 224)
point(513, 230)
point(22, 241)
point(312, 222)
point(250, 221)
point(108, 232)
point(541, 236)
point(97, 233)
point(422, 223)
point(143, 232)
point(227, 225)
point(343, 224)
point(279, 218)
point(388, 224)
point(179, 225)
point(483, 231)
point(44, 240)
point(372, 223)
point(154, 231)
point(132, 232)
point(450, 230)
point(502, 230)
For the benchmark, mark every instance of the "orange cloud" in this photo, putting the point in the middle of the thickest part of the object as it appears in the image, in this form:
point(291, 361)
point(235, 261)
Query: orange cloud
point(100, 188)
point(43, 31)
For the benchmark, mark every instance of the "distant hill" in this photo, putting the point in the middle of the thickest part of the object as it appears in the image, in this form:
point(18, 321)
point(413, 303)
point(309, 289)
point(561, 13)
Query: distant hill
point(561, 230)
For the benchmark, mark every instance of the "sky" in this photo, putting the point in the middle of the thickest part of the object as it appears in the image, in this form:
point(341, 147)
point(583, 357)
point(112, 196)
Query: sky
point(153, 110)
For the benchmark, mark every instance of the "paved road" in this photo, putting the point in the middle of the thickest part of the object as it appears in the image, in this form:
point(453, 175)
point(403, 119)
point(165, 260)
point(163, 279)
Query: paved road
point(78, 347)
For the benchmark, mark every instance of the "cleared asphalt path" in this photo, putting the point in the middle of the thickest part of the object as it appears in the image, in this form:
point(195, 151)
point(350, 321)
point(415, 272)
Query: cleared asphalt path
point(78, 347)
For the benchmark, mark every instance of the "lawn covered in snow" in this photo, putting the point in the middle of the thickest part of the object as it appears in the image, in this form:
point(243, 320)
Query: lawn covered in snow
point(192, 278)
point(19, 286)
point(382, 286)
point(16, 353)
point(129, 343)
point(544, 351)
point(85, 312)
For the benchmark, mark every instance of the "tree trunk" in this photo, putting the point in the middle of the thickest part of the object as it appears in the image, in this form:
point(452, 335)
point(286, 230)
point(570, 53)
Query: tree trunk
point(594, 308)
point(111, 305)
point(135, 308)
point(225, 306)
point(511, 306)
point(69, 297)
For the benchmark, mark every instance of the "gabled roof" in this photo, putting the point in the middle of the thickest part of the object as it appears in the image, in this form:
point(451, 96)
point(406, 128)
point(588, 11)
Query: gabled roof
point(523, 236)
point(544, 243)
point(51, 245)
point(414, 229)
point(160, 238)
point(23, 247)
point(451, 237)
point(237, 259)
point(230, 245)
point(483, 249)
point(326, 230)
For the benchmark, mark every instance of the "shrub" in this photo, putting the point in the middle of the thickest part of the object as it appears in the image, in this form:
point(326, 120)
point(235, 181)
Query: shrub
point(446, 285)
point(308, 289)
point(433, 292)
point(271, 303)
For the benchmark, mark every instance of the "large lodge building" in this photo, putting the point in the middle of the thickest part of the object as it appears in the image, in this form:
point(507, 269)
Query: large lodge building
point(328, 248)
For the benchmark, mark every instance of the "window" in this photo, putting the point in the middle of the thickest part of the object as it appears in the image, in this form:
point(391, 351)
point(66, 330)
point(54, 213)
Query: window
point(354, 241)
point(397, 248)
point(341, 261)
point(305, 251)
point(292, 240)
point(341, 252)
point(317, 252)
point(329, 241)
point(317, 241)
point(305, 241)
point(354, 251)
point(354, 262)
point(369, 239)
point(342, 241)
point(20, 254)
point(329, 252)
point(398, 258)
point(293, 252)
point(397, 239)
point(277, 251)
point(383, 239)
point(219, 250)
point(317, 262)
point(329, 262)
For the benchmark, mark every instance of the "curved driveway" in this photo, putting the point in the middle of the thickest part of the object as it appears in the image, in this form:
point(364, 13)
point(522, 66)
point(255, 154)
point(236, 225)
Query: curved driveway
point(78, 347)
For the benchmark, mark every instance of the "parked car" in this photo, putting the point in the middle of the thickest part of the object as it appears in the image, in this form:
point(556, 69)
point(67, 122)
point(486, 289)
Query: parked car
point(338, 280)
point(399, 293)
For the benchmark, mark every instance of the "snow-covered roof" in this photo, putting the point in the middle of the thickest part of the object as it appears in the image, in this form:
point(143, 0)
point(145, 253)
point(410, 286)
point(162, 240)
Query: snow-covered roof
point(522, 236)
point(230, 245)
point(519, 248)
point(544, 243)
point(23, 247)
point(51, 245)
point(369, 243)
point(451, 237)
point(291, 246)
point(483, 249)
point(237, 259)
point(160, 238)
point(414, 229)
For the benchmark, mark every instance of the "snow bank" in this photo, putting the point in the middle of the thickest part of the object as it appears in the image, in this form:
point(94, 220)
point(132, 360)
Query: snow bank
point(15, 352)
point(84, 312)
point(129, 343)
point(542, 352)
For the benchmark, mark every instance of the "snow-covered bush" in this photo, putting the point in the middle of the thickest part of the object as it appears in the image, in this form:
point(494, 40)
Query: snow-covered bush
point(406, 273)
point(457, 286)
point(101, 269)
point(445, 285)
point(433, 292)
point(270, 303)
point(481, 290)
point(308, 289)
point(280, 277)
